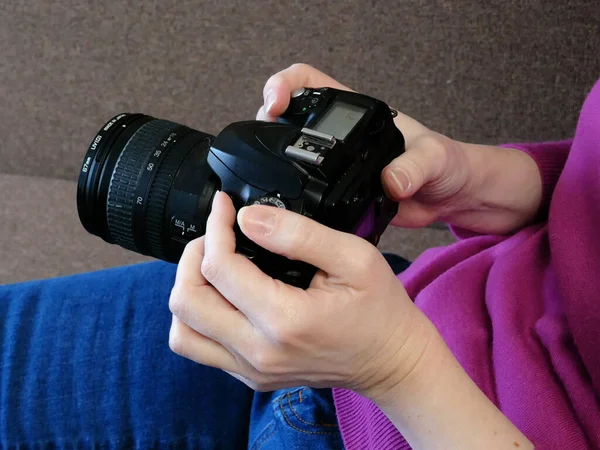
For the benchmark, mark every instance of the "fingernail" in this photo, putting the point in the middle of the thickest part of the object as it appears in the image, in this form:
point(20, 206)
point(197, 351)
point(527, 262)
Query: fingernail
point(258, 220)
point(217, 193)
point(269, 101)
point(401, 179)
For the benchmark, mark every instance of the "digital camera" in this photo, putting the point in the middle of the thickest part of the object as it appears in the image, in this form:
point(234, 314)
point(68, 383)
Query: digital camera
point(147, 184)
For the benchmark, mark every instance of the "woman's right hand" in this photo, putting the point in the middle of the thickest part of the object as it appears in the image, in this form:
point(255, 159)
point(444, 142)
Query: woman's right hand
point(484, 189)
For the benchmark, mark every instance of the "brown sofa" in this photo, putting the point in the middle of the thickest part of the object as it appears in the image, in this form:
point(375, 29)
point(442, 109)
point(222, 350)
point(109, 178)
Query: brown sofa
point(488, 72)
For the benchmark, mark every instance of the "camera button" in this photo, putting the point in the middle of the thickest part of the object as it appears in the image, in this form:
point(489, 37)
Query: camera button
point(298, 92)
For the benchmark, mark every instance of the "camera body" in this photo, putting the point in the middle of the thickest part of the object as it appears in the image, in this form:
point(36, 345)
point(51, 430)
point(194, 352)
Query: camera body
point(323, 159)
point(147, 184)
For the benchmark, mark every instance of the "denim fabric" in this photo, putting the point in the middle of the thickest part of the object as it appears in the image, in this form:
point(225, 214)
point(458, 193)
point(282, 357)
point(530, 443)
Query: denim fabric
point(294, 419)
point(85, 363)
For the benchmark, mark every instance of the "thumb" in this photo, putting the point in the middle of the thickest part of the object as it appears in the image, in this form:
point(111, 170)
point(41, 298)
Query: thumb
point(276, 99)
point(297, 237)
point(278, 88)
point(418, 165)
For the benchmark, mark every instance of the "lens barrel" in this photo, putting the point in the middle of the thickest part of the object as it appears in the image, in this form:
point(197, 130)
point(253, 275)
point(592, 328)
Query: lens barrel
point(124, 193)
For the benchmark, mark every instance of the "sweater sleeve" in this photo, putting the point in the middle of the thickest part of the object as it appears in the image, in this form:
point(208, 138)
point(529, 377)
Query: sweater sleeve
point(550, 158)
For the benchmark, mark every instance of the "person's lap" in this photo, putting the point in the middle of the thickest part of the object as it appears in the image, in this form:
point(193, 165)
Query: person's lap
point(85, 362)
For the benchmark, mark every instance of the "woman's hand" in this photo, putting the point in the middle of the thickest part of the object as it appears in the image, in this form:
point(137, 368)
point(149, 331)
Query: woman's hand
point(355, 327)
point(481, 188)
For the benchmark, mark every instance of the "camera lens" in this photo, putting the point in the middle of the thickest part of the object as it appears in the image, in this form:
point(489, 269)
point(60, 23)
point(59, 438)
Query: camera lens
point(145, 185)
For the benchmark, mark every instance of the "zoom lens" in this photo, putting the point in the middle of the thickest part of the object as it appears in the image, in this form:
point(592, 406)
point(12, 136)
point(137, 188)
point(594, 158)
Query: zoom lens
point(145, 185)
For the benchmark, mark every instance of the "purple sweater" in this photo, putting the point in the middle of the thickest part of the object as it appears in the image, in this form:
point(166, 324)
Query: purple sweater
point(521, 313)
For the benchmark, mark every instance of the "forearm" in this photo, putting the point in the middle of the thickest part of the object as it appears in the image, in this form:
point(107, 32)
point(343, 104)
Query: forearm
point(437, 406)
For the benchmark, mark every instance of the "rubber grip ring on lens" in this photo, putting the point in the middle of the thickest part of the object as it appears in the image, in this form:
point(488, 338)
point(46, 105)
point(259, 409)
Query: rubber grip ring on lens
point(124, 183)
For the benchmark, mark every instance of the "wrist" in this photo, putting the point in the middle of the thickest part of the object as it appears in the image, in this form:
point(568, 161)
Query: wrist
point(550, 158)
point(437, 405)
point(505, 181)
point(407, 363)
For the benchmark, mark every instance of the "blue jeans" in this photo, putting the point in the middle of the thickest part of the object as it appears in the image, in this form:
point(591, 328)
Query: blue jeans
point(85, 363)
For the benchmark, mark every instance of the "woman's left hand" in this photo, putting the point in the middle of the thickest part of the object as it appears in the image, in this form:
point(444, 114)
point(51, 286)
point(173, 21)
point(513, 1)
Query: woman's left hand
point(355, 327)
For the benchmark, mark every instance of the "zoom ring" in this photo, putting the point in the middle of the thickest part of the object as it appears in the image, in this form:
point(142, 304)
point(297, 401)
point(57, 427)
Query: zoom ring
point(119, 205)
point(123, 183)
point(157, 200)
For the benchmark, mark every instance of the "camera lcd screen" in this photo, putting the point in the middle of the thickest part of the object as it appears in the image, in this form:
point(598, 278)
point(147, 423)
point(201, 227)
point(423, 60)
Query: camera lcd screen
point(340, 119)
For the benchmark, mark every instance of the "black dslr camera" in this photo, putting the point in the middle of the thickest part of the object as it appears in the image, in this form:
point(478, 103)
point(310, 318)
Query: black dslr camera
point(147, 184)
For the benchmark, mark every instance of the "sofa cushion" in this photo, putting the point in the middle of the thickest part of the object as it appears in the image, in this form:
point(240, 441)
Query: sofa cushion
point(41, 233)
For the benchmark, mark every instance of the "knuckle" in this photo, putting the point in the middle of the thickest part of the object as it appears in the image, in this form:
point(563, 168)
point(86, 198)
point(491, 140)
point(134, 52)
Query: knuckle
point(279, 76)
point(177, 340)
point(311, 241)
point(300, 67)
point(289, 331)
point(210, 268)
point(271, 80)
point(279, 332)
point(430, 142)
point(369, 260)
point(195, 246)
point(192, 250)
point(177, 299)
point(295, 235)
point(302, 237)
point(264, 360)
point(433, 147)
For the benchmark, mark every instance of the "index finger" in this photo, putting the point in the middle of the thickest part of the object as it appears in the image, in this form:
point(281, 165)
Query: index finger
point(190, 263)
point(343, 256)
point(278, 88)
point(237, 278)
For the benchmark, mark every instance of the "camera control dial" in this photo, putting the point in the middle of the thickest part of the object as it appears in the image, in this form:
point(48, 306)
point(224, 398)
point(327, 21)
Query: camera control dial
point(270, 200)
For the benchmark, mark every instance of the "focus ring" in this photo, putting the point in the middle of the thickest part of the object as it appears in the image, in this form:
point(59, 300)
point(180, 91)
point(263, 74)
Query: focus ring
point(124, 180)
point(156, 220)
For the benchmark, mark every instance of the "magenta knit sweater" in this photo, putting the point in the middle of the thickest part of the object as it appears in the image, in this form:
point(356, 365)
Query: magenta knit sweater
point(521, 313)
